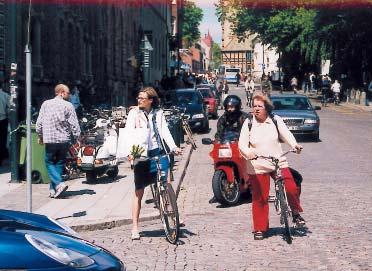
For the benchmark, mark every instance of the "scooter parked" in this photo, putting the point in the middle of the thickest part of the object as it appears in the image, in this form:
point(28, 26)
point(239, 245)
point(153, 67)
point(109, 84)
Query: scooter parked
point(230, 178)
point(98, 155)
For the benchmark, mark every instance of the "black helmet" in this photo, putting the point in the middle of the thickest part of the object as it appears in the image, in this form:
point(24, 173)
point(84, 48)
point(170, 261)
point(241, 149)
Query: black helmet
point(234, 101)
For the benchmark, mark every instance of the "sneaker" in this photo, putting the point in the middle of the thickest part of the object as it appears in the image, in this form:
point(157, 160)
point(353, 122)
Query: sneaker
point(52, 193)
point(135, 235)
point(299, 220)
point(62, 187)
point(258, 235)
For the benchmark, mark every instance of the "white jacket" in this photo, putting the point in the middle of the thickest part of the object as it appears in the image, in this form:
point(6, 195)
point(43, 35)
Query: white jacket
point(137, 125)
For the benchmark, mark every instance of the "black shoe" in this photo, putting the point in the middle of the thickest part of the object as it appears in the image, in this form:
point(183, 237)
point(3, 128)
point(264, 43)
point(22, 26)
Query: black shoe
point(213, 200)
point(299, 220)
point(258, 235)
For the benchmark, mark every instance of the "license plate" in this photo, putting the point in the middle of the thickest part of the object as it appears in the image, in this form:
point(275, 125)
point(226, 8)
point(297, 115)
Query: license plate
point(291, 128)
point(114, 162)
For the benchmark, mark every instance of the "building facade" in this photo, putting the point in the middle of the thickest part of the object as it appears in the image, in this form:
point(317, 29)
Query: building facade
point(97, 47)
point(206, 44)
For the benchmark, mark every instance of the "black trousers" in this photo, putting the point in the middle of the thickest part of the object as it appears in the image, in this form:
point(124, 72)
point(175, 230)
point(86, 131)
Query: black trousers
point(3, 136)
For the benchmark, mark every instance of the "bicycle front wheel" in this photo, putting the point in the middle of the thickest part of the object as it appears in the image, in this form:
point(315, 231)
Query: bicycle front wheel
point(284, 215)
point(169, 213)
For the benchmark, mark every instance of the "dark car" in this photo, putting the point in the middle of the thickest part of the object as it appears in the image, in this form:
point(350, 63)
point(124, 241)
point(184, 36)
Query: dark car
point(36, 242)
point(191, 101)
point(298, 114)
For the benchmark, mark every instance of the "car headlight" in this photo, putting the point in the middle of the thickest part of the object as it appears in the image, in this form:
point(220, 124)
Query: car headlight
point(224, 153)
point(198, 116)
point(63, 255)
point(310, 121)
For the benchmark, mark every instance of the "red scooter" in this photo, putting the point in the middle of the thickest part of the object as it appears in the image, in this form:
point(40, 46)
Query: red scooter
point(230, 178)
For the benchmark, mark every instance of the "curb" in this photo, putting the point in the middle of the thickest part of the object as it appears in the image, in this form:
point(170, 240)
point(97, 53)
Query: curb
point(108, 224)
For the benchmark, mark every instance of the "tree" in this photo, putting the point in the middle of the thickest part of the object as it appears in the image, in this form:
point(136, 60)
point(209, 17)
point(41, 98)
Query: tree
point(193, 16)
point(216, 56)
point(305, 34)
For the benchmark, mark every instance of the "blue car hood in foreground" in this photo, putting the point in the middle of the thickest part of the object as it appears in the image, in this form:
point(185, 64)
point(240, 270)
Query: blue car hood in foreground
point(16, 252)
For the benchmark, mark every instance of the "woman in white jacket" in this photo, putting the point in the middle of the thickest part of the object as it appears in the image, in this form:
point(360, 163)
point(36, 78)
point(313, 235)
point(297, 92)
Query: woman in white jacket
point(152, 126)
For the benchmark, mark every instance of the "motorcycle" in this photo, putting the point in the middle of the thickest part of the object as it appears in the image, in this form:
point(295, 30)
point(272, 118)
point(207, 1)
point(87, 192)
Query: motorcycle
point(98, 154)
point(230, 178)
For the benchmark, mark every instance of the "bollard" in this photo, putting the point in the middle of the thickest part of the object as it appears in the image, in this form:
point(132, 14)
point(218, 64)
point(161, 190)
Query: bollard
point(357, 97)
point(363, 99)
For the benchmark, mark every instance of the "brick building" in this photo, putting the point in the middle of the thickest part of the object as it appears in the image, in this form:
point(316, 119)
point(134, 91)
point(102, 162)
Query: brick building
point(97, 47)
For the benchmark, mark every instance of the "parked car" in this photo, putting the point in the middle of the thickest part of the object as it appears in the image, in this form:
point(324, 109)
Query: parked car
point(191, 101)
point(211, 102)
point(298, 114)
point(36, 242)
point(214, 90)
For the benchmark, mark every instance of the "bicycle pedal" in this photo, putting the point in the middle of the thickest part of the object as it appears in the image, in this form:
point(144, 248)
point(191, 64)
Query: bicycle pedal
point(149, 201)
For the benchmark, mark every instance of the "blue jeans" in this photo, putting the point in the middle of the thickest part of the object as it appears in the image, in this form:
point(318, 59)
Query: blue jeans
point(55, 159)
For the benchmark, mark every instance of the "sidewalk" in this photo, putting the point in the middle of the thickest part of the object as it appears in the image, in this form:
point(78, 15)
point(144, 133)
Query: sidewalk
point(358, 107)
point(104, 204)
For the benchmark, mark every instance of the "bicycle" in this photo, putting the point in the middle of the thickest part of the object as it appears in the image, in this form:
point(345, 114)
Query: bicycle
point(280, 198)
point(166, 201)
point(186, 127)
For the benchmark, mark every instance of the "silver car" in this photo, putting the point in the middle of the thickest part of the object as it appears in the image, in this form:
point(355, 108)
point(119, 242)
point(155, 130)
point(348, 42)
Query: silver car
point(298, 114)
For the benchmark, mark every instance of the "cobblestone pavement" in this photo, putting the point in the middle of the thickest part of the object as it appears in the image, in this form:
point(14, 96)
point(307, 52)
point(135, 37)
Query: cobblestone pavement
point(336, 198)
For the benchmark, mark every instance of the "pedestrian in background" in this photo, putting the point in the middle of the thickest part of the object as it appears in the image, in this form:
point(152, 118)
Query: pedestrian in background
point(263, 138)
point(237, 76)
point(57, 126)
point(4, 108)
point(225, 90)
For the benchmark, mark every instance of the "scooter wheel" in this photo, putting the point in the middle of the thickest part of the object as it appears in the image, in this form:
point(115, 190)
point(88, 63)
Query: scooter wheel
point(112, 173)
point(90, 177)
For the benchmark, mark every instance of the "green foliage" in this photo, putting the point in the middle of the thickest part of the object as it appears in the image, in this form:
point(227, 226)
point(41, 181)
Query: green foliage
point(193, 16)
point(339, 34)
point(216, 56)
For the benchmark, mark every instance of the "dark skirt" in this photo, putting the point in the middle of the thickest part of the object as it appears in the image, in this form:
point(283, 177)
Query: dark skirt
point(145, 170)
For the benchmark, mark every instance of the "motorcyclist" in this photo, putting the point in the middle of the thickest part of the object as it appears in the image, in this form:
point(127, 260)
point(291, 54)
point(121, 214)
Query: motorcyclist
point(232, 119)
point(230, 122)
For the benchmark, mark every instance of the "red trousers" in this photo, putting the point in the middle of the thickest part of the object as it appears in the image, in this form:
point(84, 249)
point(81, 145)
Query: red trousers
point(260, 186)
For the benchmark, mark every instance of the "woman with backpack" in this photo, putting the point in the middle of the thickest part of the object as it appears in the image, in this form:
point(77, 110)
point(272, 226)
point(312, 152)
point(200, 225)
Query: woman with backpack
point(262, 135)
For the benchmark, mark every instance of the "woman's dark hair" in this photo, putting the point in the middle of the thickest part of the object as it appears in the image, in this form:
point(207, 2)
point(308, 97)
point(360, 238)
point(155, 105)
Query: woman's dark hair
point(267, 102)
point(152, 94)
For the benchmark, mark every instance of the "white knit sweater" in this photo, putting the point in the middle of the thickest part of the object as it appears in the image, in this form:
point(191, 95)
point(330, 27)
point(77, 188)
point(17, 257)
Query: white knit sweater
point(263, 140)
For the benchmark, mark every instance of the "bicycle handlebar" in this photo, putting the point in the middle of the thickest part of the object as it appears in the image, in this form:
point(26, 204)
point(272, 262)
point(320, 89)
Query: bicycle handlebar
point(272, 158)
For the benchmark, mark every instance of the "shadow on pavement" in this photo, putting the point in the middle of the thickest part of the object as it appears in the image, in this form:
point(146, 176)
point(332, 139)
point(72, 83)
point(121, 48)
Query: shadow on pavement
point(78, 214)
point(105, 180)
point(296, 232)
point(70, 193)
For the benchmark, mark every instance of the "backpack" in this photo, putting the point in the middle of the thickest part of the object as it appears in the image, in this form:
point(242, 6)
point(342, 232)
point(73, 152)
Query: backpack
point(272, 116)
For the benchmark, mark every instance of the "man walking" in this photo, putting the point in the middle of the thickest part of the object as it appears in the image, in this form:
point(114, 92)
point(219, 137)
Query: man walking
point(4, 107)
point(56, 126)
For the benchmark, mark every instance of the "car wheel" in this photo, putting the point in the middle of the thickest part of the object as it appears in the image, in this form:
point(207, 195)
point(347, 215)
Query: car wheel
point(315, 137)
point(206, 127)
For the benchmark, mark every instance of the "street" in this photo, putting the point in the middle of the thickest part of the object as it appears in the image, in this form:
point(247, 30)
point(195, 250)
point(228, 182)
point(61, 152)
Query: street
point(336, 197)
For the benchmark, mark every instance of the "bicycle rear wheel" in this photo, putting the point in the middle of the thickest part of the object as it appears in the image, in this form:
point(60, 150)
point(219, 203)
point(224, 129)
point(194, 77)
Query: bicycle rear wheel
point(169, 213)
point(284, 214)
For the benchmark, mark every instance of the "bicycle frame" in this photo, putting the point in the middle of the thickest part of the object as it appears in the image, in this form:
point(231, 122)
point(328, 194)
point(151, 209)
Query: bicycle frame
point(164, 197)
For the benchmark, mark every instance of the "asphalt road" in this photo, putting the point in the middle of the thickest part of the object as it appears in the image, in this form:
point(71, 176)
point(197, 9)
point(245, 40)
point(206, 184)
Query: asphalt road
point(336, 197)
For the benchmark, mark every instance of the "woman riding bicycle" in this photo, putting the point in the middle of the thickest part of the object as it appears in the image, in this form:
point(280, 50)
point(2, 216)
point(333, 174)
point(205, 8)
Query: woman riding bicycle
point(261, 137)
point(151, 124)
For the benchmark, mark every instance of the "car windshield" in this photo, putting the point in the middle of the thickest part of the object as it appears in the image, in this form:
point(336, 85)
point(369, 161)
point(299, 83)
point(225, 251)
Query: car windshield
point(205, 92)
point(291, 103)
point(187, 98)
